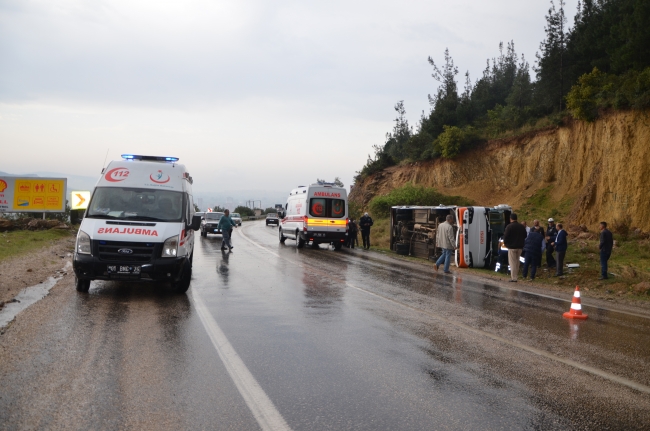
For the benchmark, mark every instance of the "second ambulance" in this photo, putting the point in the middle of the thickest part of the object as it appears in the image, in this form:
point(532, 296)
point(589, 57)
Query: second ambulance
point(317, 214)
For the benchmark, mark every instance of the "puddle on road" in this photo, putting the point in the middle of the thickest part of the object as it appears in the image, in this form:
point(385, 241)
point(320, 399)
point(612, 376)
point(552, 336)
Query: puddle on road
point(29, 296)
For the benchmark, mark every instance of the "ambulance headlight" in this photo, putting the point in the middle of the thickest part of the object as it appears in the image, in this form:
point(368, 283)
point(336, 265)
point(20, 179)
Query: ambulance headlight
point(170, 247)
point(83, 243)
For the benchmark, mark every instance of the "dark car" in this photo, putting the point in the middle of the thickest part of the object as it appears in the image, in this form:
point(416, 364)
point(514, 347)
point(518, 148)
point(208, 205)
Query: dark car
point(209, 223)
point(272, 218)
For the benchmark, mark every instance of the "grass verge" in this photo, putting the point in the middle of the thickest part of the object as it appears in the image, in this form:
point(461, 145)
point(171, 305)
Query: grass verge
point(23, 241)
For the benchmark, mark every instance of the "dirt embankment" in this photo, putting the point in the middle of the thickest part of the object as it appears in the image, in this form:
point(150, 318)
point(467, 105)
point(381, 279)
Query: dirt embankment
point(603, 167)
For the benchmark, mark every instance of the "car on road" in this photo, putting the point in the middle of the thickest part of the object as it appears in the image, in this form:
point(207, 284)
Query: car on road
point(272, 218)
point(236, 217)
point(210, 222)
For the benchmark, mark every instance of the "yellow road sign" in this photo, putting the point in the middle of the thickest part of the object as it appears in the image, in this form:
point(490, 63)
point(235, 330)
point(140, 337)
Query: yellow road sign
point(79, 200)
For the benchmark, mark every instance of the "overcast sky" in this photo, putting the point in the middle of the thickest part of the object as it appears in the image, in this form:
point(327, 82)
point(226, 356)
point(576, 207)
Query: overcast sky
point(249, 94)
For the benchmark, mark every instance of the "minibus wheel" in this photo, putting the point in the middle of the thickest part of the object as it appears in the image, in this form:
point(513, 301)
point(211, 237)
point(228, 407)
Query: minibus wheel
point(300, 242)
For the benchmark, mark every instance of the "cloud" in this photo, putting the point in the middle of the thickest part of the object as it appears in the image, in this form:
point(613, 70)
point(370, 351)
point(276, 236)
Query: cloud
point(274, 83)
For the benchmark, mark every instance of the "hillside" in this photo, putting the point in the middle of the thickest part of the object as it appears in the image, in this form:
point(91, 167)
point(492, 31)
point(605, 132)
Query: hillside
point(597, 171)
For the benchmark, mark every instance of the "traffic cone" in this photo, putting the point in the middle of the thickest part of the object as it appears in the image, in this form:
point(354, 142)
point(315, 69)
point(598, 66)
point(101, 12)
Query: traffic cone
point(576, 307)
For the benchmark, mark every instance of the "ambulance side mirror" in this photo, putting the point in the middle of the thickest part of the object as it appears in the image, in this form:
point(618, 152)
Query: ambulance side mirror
point(196, 223)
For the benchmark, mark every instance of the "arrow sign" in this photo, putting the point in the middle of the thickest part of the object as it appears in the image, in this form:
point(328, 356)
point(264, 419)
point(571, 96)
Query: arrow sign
point(79, 200)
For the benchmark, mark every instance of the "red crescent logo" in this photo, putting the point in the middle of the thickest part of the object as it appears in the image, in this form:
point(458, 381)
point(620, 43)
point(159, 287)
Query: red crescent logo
point(121, 176)
point(158, 181)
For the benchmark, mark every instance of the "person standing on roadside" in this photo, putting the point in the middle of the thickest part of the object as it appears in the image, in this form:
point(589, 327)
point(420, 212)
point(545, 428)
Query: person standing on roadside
point(526, 226)
point(445, 239)
point(606, 245)
point(560, 245)
point(514, 238)
point(364, 223)
point(541, 230)
point(352, 234)
point(226, 224)
point(551, 232)
point(533, 248)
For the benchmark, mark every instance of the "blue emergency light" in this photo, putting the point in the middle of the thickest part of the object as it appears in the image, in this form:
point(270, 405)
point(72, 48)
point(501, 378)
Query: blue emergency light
point(149, 158)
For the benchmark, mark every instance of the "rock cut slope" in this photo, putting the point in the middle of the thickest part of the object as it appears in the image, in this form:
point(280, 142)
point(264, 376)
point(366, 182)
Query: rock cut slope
point(603, 167)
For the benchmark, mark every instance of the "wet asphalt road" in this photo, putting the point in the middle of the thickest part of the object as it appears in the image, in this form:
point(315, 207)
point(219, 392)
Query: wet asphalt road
point(274, 337)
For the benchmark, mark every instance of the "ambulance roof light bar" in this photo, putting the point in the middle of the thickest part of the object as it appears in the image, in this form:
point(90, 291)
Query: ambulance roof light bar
point(149, 158)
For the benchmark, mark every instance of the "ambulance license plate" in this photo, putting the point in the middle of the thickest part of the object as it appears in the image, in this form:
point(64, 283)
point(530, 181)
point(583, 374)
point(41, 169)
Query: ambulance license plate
point(124, 269)
point(319, 234)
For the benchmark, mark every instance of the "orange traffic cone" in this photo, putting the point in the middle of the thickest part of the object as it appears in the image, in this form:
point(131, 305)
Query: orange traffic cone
point(576, 307)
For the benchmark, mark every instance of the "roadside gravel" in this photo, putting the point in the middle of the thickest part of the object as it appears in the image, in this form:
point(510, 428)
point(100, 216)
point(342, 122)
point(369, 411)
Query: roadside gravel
point(29, 269)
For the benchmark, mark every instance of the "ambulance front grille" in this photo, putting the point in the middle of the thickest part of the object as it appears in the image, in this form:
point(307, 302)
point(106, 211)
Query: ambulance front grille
point(140, 252)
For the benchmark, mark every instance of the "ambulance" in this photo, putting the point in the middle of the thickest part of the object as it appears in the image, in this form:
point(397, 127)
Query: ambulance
point(139, 225)
point(317, 214)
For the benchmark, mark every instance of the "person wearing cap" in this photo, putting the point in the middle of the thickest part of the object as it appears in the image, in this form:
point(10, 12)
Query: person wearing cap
point(514, 238)
point(551, 233)
point(364, 225)
point(560, 245)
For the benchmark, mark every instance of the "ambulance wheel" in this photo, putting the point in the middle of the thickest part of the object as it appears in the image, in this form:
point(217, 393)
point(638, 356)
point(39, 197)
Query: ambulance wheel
point(402, 248)
point(81, 285)
point(300, 242)
point(338, 245)
point(183, 283)
point(282, 237)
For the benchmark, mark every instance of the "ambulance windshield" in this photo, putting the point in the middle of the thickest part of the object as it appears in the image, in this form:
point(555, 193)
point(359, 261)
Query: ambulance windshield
point(125, 203)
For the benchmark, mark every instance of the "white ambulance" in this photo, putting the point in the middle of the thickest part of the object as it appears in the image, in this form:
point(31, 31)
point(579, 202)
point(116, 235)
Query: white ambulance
point(317, 213)
point(139, 224)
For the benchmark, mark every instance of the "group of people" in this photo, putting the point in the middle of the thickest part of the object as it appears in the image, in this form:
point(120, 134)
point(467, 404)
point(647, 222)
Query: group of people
point(533, 241)
point(365, 222)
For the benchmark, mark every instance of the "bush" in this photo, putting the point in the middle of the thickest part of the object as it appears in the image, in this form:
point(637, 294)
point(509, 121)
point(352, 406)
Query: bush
point(597, 90)
point(621, 226)
point(453, 140)
point(411, 194)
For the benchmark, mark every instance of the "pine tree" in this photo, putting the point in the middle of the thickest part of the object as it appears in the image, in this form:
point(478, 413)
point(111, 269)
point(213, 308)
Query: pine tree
point(551, 60)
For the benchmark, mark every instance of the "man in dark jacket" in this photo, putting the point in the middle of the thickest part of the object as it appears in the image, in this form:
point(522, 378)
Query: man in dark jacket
point(606, 245)
point(514, 238)
point(364, 224)
point(533, 249)
point(551, 232)
point(560, 245)
point(352, 234)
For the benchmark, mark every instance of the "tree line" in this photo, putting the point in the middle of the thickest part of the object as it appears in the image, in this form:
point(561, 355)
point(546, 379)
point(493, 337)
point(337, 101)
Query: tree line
point(601, 62)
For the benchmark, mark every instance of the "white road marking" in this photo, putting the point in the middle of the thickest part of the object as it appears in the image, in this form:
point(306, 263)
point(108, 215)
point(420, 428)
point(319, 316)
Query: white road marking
point(266, 414)
point(595, 371)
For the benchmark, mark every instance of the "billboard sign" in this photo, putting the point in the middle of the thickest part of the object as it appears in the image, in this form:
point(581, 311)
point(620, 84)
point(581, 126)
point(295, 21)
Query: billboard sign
point(32, 194)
